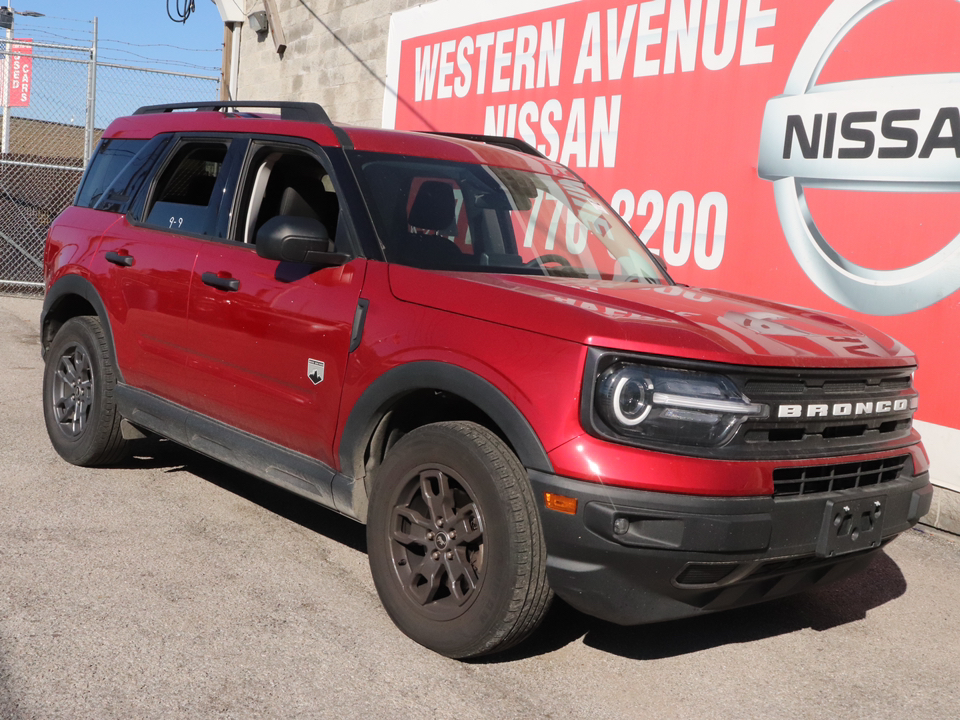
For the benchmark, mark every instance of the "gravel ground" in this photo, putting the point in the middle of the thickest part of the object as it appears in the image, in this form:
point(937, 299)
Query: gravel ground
point(174, 587)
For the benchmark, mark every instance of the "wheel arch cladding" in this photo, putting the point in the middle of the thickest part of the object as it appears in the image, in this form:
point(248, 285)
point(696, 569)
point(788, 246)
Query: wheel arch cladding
point(387, 391)
point(70, 296)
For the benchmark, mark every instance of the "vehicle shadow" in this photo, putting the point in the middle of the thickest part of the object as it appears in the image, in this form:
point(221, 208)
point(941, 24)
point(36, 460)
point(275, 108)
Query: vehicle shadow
point(156, 453)
point(847, 601)
point(9, 705)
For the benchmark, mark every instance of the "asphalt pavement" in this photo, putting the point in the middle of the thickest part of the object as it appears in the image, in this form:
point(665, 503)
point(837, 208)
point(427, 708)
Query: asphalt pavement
point(174, 587)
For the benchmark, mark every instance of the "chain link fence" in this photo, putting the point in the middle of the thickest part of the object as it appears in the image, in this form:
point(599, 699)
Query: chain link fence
point(46, 143)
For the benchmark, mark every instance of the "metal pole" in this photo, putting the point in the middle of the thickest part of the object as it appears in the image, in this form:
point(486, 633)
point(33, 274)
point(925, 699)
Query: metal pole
point(225, 62)
point(91, 99)
point(235, 61)
point(7, 69)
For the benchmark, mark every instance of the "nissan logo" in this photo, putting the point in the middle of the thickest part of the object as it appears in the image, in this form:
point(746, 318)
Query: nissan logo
point(893, 134)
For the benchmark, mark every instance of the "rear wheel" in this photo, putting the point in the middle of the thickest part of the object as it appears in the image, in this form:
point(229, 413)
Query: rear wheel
point(454, 541)
point(78, 403)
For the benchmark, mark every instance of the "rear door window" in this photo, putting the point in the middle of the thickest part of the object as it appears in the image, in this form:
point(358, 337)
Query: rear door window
point(183, 199)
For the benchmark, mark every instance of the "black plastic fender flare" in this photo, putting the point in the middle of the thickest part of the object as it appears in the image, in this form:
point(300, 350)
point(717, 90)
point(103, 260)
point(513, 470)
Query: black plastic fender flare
point(83, 288)
point(399, 381)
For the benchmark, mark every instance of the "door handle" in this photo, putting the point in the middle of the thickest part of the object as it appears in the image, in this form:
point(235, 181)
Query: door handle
point(123, 260)
point(223, 283)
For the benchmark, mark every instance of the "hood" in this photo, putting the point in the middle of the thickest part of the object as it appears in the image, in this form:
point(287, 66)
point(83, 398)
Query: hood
point(671, 320)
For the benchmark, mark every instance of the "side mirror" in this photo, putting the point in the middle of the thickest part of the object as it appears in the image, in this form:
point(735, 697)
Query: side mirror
point(298, 239)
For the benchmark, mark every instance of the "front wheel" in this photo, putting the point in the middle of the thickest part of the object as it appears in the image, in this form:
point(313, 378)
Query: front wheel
point(78, 403)
point(454, 541)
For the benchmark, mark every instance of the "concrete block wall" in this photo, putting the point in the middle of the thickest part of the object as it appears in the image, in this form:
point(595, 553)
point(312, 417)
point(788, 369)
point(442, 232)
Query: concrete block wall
point(336, 56)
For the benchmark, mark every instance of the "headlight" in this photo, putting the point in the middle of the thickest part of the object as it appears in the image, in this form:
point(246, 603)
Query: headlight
point(664, 405)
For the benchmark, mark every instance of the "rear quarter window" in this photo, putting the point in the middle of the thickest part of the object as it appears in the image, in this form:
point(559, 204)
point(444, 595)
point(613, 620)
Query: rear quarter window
point(111, 158)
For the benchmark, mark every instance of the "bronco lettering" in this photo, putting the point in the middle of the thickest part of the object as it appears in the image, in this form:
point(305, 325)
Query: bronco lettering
point(843, 409)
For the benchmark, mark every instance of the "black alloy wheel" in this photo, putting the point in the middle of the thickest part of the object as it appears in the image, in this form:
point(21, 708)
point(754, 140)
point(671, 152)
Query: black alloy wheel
point(437, 542)
point(73, 388)
point(78, 404)
point(454, 541)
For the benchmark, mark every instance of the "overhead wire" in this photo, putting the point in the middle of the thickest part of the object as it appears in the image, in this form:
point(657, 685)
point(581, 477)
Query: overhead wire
point(101, 56)
point(175, 47)
point(39, 32)
point(58, 17)
point(106, 52)
point(182, 15)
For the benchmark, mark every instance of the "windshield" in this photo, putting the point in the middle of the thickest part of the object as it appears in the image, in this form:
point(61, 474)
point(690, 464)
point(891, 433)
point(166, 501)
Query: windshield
point(469, 217)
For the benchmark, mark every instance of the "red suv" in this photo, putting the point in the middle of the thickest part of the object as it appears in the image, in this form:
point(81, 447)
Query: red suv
point(457, 342)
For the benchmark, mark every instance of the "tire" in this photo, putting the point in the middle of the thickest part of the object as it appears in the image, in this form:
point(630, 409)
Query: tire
point(78, 402)
point(454, 541)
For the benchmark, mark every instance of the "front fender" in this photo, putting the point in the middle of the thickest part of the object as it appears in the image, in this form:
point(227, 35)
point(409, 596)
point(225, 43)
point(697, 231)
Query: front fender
point(404, 379)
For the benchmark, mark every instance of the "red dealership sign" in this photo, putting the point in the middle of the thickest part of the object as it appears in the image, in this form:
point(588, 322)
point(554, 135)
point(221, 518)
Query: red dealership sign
point(21, 74)
point(806, 151)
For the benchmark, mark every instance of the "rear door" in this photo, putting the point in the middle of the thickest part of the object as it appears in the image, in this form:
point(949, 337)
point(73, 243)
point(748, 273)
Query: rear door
point(146, 259)
point(269, 340)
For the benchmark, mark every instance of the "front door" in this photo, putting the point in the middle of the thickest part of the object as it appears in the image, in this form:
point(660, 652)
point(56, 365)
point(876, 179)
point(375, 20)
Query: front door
point(270, 339)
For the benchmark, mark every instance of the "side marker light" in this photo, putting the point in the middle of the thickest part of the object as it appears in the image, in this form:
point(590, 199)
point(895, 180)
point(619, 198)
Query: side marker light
point(560, 503)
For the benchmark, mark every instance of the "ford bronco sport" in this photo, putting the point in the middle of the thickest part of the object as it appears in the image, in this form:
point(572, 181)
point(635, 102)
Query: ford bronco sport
point(455, 341)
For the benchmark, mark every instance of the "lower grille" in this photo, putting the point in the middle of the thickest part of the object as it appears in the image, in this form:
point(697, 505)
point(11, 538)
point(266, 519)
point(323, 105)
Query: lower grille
point(845, 476)
point(758, 579)
point(705, 573)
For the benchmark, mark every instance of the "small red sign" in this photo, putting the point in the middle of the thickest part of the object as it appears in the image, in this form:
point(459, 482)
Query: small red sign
point(21, 74)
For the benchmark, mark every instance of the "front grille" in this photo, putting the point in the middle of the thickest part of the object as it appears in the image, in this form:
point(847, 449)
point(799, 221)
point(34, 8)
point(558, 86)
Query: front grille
point(843, 476)
point(812, 432)
point(824, 412)
point(799, 387)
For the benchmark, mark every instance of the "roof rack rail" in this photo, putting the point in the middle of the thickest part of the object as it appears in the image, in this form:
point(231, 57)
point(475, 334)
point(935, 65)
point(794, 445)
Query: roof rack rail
point(300, 111)
point(507, 142)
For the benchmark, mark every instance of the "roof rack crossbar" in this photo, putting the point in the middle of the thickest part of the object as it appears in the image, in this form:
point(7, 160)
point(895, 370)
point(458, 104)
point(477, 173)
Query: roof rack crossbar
point(301, 111)
point(507, 142)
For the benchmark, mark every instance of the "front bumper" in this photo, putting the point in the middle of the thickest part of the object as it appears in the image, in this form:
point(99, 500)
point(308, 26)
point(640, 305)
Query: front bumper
point(633, 556)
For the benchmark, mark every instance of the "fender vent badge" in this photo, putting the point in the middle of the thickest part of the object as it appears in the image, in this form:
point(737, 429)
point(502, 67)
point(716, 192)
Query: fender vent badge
point(315, 371)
